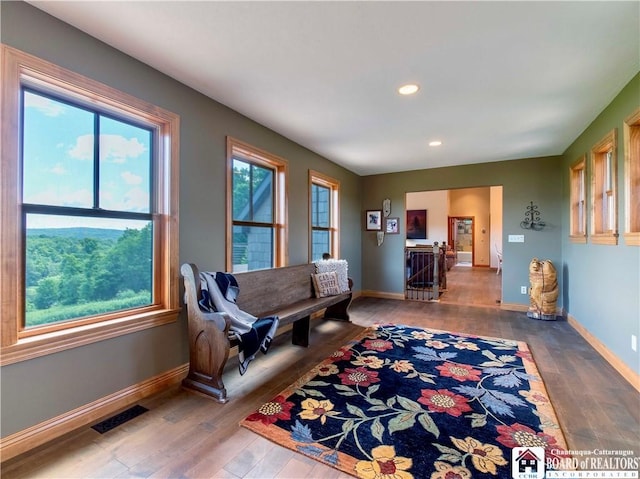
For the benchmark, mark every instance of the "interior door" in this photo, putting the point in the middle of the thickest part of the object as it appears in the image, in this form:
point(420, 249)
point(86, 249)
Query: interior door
point(461, 237)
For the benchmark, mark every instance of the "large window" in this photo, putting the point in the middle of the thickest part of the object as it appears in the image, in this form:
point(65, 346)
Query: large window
point(604, 210)
point(89, 201)
point(578, 228)
point(86, 204)
point(256, 208)
point(323, 214)
point(632, 179)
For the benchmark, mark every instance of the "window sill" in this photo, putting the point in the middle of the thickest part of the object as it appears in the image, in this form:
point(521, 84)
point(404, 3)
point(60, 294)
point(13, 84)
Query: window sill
point(632, 239)
point(578, 239)
point(50, 343)
point(609, 239)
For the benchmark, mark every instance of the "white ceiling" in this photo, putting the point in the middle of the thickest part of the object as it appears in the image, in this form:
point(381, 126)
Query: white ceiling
point(499, 80)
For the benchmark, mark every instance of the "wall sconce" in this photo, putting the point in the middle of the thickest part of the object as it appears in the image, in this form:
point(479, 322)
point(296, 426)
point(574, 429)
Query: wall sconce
point(532, 219)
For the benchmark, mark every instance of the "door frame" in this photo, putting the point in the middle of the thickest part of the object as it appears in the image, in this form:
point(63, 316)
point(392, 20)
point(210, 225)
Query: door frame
point(452, 233)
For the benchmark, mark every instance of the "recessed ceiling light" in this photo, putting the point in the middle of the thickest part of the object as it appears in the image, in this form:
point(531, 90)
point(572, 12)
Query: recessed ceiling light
point(408, 89)
point(435, 143)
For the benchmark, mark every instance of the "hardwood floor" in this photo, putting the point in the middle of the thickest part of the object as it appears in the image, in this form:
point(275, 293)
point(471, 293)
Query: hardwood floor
point(186, 435)
point(473, 286)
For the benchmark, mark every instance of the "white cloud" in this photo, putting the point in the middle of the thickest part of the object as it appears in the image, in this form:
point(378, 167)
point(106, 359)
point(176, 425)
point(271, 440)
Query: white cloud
point(118, 149)
point(59, 169)
point(105, 197)
point(83, 149)
point(131, 179)
point(114, 148)
point(44, 105)
point(136, 199)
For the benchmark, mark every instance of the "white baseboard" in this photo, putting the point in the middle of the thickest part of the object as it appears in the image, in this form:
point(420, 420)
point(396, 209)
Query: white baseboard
point(39, 434)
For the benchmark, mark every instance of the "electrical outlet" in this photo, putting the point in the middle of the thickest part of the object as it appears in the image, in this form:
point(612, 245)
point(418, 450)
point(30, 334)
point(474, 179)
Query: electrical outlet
point(523, 290)
point(634, 342)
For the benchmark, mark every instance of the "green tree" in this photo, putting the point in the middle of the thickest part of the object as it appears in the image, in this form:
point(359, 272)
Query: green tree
point(47, 293)
point(128, 265)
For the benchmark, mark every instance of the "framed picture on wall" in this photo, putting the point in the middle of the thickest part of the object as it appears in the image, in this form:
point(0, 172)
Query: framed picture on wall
point(392, 226)
point(416, 224)
point(373, 220)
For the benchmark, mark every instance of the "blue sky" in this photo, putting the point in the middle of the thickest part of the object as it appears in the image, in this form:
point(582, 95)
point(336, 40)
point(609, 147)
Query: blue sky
point(58, 163)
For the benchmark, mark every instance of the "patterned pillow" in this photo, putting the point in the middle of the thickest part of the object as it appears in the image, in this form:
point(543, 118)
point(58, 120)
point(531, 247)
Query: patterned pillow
point(325, 284)
point(340, 266)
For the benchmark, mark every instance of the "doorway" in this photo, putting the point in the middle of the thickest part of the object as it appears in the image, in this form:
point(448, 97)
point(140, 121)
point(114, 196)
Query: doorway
point(461, 238)
point(483, 206)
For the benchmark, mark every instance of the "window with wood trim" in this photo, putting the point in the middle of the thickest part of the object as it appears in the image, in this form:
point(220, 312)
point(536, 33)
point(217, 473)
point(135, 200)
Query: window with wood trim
point(324, 193)
point(256, 208)
point(604, 208)
point(632, 179)
point(578, 214)
point(89, 200)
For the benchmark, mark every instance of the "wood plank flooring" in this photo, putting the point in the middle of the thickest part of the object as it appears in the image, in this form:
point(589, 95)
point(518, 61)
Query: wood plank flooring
point(473, 286)
point(186, 435)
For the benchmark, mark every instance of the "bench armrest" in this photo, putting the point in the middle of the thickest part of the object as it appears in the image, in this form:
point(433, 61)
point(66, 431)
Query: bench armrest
point(192, 293)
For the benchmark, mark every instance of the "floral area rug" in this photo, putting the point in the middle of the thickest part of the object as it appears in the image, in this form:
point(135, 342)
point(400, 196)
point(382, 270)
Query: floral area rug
point(402, 402)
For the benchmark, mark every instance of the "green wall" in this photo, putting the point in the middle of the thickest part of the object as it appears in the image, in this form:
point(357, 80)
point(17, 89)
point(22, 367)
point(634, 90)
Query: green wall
point(599, 284)
point(537, 179)
point(602, 283)
point(39, 389)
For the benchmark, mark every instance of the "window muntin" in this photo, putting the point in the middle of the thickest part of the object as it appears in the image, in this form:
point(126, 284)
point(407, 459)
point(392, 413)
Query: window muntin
point(323, 214)
point(256, 206)
point(30, 85)
point(604, 214)
point(253, 192)
point(632, 178)
point(320, 221)
point(578, 221)
point(81, 167)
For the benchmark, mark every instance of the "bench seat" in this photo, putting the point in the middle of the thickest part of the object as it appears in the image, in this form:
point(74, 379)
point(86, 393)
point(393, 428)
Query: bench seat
point(285, 292)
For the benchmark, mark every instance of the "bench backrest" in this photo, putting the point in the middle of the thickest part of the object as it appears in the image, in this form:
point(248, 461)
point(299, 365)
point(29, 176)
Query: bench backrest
point(263, 291)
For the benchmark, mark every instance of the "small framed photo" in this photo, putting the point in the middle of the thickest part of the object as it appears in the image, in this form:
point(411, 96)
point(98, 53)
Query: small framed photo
point(373, 220)
point(392, 226)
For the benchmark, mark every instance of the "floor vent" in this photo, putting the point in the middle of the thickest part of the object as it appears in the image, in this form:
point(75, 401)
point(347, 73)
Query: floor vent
point(118, 419)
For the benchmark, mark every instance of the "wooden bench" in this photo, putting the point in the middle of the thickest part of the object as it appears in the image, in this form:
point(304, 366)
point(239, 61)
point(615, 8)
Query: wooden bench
point(286, 292)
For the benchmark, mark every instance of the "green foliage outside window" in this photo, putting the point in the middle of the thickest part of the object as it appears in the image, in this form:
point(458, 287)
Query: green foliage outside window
point(69, 275)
